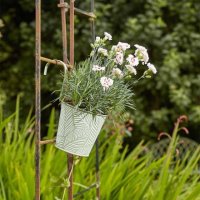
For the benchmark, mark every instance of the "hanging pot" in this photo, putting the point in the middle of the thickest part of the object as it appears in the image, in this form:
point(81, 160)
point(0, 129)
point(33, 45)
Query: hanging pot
point(77, 130)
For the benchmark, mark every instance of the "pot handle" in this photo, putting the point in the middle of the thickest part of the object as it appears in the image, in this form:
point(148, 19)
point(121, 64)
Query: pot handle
point(61, 62)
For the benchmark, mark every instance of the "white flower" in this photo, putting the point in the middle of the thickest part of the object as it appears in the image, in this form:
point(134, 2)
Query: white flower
point(103, 51)
point(141, 53)
point(107, 36)
point(98, 68)
point(114, 48)
point(117, 72)
point(152, 68)
point(133, 61)
point(123, 46)
point(145, 57)
point(131, 69)
point(97, 39)
point(97, 42)
point(106, 82)
point(119, 58)
point(141, 48)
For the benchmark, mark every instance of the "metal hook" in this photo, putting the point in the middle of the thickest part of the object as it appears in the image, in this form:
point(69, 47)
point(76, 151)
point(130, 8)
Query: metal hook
point(46, 68)
point(64, 65)
point(47, 65)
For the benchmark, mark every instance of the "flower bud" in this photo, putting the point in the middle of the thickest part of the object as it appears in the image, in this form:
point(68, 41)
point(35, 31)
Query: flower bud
point(128, 77)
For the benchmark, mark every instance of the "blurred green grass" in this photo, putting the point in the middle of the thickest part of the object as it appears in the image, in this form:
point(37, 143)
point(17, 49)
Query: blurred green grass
point(122, 176)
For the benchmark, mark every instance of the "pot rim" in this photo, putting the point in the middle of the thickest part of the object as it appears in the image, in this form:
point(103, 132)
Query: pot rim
point(79, 109)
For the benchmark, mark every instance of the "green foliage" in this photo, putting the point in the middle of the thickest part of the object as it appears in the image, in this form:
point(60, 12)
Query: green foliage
point(111, 74)
point(102, 97)
point(169, 28)
point(122, 176)
point(88, 94)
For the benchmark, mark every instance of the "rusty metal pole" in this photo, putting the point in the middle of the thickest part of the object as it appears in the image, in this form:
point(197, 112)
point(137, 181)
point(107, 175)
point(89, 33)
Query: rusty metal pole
point(37, 96)
point(70, 156)
point(64, 43)
point(63, 6)
point(72, 32)
point(92, 21)
point(64, 29)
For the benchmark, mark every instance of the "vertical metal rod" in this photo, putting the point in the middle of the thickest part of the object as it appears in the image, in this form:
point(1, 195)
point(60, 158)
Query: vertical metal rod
point(72, 32)
point(70, 156)
point(97, 141)
point(64, 31)
point(64, 44)
point(37, 96)
point(92, 22)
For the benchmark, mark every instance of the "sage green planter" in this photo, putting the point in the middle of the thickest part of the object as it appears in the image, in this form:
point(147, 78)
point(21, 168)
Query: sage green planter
point(77, 130)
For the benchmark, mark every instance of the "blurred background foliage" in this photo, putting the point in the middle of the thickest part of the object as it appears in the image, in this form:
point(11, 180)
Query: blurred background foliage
point(170, 29)
point(140, 175)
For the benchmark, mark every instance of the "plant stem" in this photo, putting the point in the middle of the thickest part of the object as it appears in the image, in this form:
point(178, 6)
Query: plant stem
point(68, 181)
point(143, 76)
point(63, 194)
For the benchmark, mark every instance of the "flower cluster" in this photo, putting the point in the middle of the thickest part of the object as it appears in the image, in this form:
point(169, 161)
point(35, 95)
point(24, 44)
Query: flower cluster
point(98, 68)
point(103, 83)
point(116, 63)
